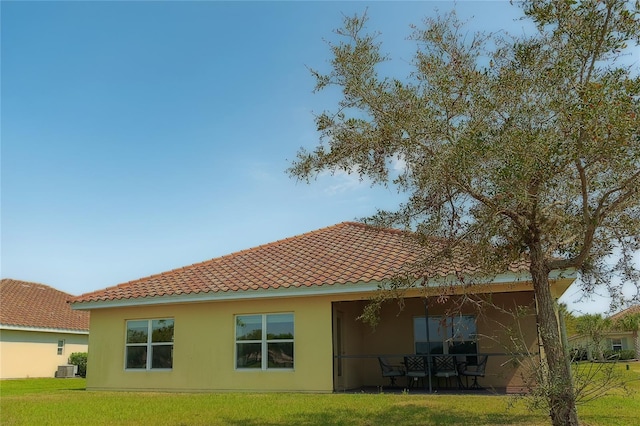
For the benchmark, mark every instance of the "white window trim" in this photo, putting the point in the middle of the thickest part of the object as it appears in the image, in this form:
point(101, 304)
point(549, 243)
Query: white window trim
point(60, 348)
point(264, 366)
point(614, 344)
point(148, 345)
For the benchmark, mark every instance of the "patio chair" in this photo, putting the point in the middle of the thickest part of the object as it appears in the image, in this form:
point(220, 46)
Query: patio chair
point(474, 371)
point(416, 369)
point(390, 370)
point(445, 367)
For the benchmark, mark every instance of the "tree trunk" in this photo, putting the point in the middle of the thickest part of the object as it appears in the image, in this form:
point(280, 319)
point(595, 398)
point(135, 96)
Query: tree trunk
point(561, 396)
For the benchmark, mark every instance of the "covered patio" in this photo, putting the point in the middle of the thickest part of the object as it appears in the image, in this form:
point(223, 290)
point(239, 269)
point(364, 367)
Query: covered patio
point(433, 329)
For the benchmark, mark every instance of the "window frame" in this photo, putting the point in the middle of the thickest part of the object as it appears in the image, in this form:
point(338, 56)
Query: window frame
point(264, 342)
point(60, 350)
point(148, 345)
point(617, 347)
point(448, 337)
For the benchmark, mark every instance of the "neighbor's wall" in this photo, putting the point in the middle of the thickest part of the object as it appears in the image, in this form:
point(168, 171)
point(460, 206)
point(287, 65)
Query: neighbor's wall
point(25, 354)
point(204, 341)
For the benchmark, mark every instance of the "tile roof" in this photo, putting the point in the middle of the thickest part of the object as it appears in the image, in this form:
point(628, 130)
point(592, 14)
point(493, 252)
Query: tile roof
point(27, 304)
point(632, 310)
point(344, 253)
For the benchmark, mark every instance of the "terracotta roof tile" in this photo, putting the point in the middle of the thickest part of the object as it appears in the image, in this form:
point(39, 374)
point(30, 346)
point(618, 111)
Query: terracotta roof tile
point(344, 253)
point(27, 304)
point(632, 310)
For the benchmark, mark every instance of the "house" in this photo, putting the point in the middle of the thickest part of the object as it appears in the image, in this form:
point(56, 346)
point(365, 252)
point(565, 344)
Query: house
point(284, 317)
point(38, 329)
point(615, 339)
point(625, 339)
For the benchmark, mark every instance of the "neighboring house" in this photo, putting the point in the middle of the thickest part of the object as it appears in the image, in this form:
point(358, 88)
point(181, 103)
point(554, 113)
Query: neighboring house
point(614, 340)
point(38, 329)
point(621, 340)
point(284, 317)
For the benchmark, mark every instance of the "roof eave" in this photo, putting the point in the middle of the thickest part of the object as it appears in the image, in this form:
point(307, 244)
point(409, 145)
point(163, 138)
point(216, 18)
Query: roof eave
point(42, 329)
point(317, 290)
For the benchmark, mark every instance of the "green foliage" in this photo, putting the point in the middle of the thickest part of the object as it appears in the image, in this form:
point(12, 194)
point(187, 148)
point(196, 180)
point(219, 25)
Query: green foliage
point(595, 326)
point(629, 322)
point(578, 354)
point(507, 142)
point(79, 359)
point(569, 320)
point(623, 355)
point(627, 354)
point(509, 145)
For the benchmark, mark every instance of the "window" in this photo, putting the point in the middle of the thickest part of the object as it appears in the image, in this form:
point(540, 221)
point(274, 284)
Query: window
point(270, 334)
point(60, 347)
point(447, 335)
point(616, 344)
point(149, 344)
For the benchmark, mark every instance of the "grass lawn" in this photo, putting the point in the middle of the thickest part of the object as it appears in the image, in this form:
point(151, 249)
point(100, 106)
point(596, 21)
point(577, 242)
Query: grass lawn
point(64, 401)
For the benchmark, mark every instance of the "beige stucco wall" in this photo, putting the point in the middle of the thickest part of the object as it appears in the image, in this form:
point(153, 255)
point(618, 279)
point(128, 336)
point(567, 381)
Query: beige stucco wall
point(25, 354)
point(204, 340)
point(204, 343)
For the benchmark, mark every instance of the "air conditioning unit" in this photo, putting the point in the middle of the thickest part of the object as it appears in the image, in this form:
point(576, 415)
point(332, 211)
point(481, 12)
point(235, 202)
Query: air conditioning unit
point(67, 371)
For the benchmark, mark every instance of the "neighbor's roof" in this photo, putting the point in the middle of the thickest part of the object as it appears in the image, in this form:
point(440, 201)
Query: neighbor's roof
point(340, 254)
point(632, 310)
point(33, 305)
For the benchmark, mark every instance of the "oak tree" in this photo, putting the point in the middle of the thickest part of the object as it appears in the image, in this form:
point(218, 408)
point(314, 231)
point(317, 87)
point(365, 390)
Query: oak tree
point(516, 145)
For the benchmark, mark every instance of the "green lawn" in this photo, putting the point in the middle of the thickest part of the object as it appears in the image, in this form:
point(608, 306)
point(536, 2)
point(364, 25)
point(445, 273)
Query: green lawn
point(64, 401)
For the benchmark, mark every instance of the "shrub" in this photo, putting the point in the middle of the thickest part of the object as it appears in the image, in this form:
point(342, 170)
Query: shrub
point(619, 355)
point(627, 354)
point(611, 355)
point(578, 354)
point(79, 359)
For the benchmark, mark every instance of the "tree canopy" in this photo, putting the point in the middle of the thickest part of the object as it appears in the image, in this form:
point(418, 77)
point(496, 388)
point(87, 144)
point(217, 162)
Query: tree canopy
point(504, 140)
point(595, 326)
point(514, 145)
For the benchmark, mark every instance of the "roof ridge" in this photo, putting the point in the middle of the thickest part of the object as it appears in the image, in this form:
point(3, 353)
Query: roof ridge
point(277, 242)
point(286, 239)
point(376, 227)
point(34, 283)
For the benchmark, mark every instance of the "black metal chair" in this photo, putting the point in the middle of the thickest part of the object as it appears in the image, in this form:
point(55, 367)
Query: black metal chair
point(444, 366)
point(416, 369)
point(474, 371)
point(390, 370)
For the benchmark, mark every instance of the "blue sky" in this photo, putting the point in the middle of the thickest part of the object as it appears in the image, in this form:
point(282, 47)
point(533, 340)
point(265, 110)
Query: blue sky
point(138, 137)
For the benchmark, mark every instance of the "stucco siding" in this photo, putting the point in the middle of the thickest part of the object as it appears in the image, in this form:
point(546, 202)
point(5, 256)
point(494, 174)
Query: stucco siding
point(204, 343)
point(25, 354)
point(204, 348)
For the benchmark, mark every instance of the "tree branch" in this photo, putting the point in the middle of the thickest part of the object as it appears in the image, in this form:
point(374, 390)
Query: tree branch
point(594, 221)
point(596, 51)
